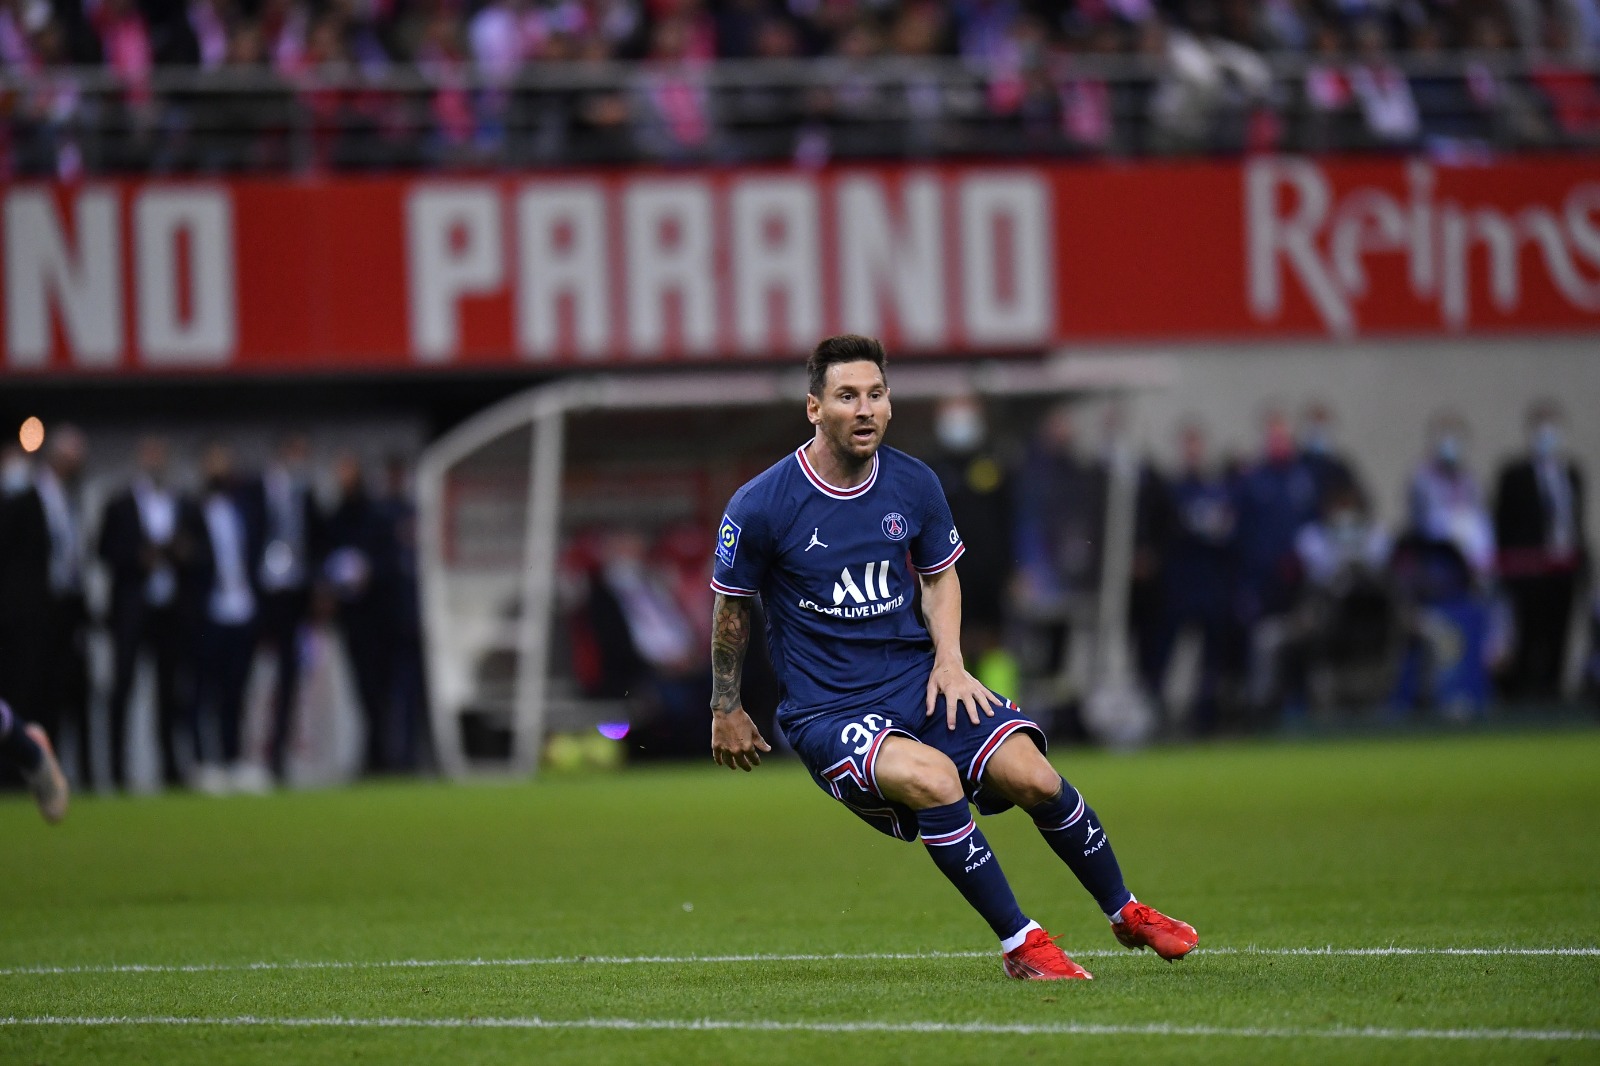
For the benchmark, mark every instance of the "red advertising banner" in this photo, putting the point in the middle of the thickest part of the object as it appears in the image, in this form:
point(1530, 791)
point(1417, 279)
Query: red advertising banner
point(643, 267)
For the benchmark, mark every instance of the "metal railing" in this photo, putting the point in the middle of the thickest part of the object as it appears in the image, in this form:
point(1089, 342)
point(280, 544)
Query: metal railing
point(71, 120)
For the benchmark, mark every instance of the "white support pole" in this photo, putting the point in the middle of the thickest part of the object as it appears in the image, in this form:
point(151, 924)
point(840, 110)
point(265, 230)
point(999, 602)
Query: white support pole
point(1117, 712)
point(538, 589)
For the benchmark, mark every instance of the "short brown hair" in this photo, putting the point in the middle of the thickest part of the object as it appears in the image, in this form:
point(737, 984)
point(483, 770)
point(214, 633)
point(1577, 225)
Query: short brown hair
point(845, 348)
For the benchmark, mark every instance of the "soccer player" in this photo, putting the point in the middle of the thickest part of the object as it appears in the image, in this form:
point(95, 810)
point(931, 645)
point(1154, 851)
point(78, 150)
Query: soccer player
point(882, 710)
point(27, 745)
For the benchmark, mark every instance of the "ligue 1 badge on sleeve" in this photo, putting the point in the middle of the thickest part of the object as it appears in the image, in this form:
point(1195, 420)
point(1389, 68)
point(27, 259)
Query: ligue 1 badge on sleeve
point(727, 540)
point(894, 526)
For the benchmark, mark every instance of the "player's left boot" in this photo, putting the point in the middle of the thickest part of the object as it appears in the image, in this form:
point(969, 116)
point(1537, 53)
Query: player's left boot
point(1038, 959)
point(1143, 926)
point(48, 784)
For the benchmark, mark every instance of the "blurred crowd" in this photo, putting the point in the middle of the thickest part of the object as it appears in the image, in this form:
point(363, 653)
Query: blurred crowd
point(194, 585)
point(322, 83)
point(1264, 590)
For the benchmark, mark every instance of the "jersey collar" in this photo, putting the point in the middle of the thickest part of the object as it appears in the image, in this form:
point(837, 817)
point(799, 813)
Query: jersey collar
point(829, 490)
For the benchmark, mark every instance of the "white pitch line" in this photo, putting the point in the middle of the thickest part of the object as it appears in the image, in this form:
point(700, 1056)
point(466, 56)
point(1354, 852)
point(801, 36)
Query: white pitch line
point(743, 1025)
point(635, 960)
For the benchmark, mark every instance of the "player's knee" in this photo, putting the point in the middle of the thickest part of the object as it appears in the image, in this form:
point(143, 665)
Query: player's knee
point(1037, 785)
point(933, 781)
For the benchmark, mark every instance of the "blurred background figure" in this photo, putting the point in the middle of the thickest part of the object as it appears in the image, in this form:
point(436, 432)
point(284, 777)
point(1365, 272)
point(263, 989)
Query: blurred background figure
point(978, 487)
point(1198, 580)
point(283, 508)
point(1344, 634)
point(224, 603)
point(1277, 497)
point(43, 619)
point(1060, 522)
point(1538, 525)
point(358, 551)
point(407, 690)
point(146, 540)
point(1330, 468)
point(1444, 569)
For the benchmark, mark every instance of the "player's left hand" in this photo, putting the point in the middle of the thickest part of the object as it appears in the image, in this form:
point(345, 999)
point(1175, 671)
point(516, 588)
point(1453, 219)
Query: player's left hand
point(959, 689)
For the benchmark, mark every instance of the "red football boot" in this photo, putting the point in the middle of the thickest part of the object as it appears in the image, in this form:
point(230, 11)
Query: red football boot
point(1145, 927)
point(1038, 959)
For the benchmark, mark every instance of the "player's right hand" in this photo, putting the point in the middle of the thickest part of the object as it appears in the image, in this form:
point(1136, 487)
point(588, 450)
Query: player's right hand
point(735, 741)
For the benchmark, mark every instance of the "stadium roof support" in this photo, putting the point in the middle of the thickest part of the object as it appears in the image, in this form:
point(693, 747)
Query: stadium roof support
point(545, 408)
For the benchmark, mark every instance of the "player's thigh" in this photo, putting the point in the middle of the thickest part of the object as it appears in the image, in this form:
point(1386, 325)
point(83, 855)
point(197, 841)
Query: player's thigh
point(974, 747)
point(1019, 773)
point(915, 774)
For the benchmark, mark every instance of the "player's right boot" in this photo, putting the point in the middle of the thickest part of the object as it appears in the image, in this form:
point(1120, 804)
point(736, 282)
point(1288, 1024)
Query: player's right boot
point(47, 783)
point(1145, 927)
point(1038, 959)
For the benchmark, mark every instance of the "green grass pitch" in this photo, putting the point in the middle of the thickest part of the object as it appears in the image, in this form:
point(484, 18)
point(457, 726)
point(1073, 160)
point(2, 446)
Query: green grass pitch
point(1431, 845)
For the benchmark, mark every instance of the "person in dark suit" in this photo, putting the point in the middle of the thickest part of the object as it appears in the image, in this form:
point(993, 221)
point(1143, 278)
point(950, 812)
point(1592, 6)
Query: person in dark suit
point(147, 542)
point(356, 571)
point(43, 620)
point(1542, 559)
point(281, 506)
point(225, 606)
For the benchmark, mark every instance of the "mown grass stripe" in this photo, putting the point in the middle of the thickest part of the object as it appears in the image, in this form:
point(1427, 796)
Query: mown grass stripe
point(635, 960)
point(756, 1025)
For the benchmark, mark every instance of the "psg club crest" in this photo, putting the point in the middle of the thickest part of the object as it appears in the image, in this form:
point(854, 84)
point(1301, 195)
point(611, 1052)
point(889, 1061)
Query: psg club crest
point(894, 526)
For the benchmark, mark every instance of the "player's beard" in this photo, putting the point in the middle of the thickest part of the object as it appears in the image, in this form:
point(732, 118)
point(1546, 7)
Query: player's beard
point(853, 452)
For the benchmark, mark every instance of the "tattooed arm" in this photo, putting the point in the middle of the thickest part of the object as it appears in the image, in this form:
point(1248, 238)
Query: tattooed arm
point(735, 741)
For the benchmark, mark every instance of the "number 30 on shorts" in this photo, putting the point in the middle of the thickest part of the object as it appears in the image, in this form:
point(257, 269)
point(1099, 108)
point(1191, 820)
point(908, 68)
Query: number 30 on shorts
point(860, 734)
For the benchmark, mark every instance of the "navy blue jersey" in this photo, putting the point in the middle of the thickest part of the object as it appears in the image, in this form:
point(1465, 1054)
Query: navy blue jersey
point(836, 570)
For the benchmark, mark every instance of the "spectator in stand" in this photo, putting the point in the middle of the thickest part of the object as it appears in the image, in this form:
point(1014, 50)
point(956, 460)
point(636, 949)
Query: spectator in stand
point(1539, 528)
point(43, 619)
point(282, 508)
point(1329, 102)
point(1199, 575)
point(674, 104)
point(1510, 110)
point(225, 603)
point(1451, 121)
point(1382, 93)
point(358, 549)
point(147, 541)
point(1569, 86)
point(1330, 469)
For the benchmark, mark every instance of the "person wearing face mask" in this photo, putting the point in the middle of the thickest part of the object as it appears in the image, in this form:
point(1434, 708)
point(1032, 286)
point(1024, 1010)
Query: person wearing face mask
point(979, 490)
point(1446, 503)
point(1539, 526)
point(1330, 470)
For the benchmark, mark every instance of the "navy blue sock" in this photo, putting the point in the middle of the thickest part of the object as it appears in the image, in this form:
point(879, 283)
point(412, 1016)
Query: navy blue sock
point(15, 744)
point(958, 848)
point(1073, 832)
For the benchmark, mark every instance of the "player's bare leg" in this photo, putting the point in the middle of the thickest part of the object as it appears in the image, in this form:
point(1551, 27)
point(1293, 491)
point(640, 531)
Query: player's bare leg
point(1020, 773)
point(923, 778)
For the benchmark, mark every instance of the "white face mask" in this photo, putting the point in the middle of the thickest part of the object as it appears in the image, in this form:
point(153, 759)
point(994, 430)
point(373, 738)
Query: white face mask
point(1448, 449)
point(960, 429)
point(14, 476)
point(1546, 439)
